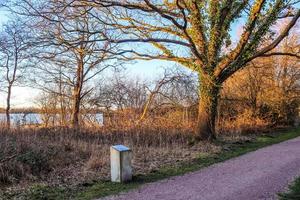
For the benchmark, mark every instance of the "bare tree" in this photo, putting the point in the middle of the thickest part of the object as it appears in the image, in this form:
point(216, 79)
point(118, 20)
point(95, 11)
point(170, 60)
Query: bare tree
point(175, 88)
point(268, 87)
point(284, 97)
point(119, 92)
point(14, 47)
point(70, 54)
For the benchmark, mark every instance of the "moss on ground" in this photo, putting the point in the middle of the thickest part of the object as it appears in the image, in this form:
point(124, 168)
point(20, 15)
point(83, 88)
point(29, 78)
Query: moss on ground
point(293, 193)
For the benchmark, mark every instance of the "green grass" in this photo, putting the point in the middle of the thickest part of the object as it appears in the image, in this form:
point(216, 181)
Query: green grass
point(105, 188)
point(293, 193)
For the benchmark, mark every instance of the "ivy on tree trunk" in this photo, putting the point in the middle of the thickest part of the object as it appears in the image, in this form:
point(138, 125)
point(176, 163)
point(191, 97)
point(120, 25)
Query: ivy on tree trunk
point(207, 109)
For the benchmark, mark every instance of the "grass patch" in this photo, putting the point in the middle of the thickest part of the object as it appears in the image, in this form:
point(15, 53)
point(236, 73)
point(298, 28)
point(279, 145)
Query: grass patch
point(40, 192)
point(293, 193)
point(105, 188)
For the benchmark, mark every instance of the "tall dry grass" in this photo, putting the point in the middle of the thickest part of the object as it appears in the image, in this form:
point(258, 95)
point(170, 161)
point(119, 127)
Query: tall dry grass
point(244, 123)
point(62, 156)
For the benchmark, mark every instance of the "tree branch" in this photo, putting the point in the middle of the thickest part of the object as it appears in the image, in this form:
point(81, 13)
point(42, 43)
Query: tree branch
point(280, 54)
point(274, 44)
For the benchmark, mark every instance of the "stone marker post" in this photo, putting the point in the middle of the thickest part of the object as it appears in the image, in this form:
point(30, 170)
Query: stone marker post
point(120, 163)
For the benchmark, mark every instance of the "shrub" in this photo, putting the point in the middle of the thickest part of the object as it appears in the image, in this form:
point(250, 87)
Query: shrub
point(36, 159)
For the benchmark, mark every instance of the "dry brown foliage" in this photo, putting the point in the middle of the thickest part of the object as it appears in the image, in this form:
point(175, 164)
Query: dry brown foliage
point(59, 156)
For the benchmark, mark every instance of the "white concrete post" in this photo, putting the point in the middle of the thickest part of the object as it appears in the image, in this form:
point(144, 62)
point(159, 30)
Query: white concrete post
point(120, 163)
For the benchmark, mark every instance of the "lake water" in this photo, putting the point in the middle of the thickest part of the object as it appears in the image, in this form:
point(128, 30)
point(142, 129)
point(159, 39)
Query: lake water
point(21, 119)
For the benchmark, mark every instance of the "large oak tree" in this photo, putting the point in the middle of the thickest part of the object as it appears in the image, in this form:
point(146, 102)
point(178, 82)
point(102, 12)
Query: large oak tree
point(198, 35)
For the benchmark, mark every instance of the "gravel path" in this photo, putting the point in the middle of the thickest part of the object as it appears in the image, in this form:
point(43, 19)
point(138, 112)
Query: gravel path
point(257, 175)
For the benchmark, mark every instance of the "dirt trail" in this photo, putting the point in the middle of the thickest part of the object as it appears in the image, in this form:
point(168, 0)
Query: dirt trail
point(256, 175)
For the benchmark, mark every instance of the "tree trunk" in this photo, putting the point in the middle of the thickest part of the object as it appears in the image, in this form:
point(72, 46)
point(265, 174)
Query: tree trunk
point(207, 110)
point(61, 101)
point(7, 110)
point(76, 110)
point(77, 95)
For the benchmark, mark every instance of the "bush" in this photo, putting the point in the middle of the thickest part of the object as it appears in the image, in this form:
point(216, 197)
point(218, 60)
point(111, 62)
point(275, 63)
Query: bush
point(36, 159)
